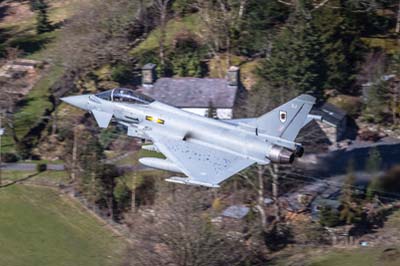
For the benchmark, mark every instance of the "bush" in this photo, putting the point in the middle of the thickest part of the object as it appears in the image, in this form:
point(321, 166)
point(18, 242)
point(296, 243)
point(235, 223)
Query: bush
point(24, 147)
point(329, 217)
point(122, 195)
point(122, 74)
point(187, 55)
point(41, 167)
point(9, 157)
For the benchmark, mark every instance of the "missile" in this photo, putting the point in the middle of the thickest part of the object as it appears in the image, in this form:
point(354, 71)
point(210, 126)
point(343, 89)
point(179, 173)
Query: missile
point(162, 164)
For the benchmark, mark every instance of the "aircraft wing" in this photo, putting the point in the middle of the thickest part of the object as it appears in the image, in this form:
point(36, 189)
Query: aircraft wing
point(203, 165)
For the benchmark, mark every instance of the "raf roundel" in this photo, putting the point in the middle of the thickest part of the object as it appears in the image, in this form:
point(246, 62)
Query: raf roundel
point(282, 116)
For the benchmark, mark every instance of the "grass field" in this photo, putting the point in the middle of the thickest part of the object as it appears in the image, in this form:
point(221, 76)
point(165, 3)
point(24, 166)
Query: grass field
point(56, 177)
point(356, 257)
point(190, 23)
point(38, 227)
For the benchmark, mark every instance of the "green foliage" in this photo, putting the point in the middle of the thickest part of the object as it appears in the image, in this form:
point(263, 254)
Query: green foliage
point(394, 65)
point(212, 111)
point(376, 103)
point(122, 195)
point(24, 148)
point(122, 73)
point(373, 188)
point(329, 217)
point(296, 64)
point(9, 157)
point(341, 46)
point(183, 7)
point(107, 136)
point(372, 166)
point(316, 234)
point(186, 56)
point(366, 16)
point(41, 167)
point(183, 59)
point(374, 161)
point(313, 52)
point(257, 25)
point(187, 65)
point(42, 19)
point(90, 160)
point(351, 211)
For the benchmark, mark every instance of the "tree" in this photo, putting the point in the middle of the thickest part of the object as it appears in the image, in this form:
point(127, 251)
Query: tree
point(183, 7)
point(179, 232)
point(351, 212)
point(328, 216)
point(83, 157)
point(42, 19)
point(258, 25)
point(162, 9)
point(222, 21)
point(296, 63)
point(394, 90)
point(373, 165)
point(100, 32)
point(376, 102)
point(186, 56)
point(342, 48)
point(212, 111)
point(122, 195)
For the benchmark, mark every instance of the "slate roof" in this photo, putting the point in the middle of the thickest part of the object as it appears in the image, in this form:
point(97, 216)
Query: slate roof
point(192, 92)
point(330, 113)
point(236, 211)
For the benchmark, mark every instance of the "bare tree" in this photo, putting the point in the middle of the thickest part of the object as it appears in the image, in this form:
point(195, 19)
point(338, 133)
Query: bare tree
point(178, 231)
point(221, 19)
point(162, 11)
point(99, 33)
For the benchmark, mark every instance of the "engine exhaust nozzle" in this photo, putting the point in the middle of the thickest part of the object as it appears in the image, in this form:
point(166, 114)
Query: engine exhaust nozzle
point(282, 155)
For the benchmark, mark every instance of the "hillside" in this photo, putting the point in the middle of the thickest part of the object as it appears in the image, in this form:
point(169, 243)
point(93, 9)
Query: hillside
point(344, 53)
point(41, 227)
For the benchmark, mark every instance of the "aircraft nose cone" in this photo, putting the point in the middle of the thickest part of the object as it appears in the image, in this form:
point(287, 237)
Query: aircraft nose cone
point(80, 101)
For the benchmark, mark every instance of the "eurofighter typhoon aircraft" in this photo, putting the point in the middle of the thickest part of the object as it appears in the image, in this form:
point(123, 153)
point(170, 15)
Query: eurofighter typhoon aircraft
point(206, 150)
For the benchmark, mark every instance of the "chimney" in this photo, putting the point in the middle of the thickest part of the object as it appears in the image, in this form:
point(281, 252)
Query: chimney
point(149, 75)
point(233, 76)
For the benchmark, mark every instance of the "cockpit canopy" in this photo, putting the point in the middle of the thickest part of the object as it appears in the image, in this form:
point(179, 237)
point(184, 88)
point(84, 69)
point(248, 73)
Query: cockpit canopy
point(125, 95)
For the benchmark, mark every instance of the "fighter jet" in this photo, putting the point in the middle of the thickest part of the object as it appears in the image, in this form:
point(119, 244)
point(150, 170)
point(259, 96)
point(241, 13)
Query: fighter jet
point(205, 150)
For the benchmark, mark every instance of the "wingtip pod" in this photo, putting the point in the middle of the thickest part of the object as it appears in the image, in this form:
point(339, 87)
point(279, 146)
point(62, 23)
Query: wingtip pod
point(307, 98)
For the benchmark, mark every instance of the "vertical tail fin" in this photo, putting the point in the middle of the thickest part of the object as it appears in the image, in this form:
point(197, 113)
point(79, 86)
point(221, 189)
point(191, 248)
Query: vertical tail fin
point(286, 120)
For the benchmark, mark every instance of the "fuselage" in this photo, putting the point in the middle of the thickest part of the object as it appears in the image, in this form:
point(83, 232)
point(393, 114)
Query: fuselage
point(176, 123)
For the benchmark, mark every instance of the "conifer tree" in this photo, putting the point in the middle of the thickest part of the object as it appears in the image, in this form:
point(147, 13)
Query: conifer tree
point(212, 111)
point(341, 46)
point(296, 62)
point(42, 19)
point(376, 102)
point(373, 163)
point(351, 212)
